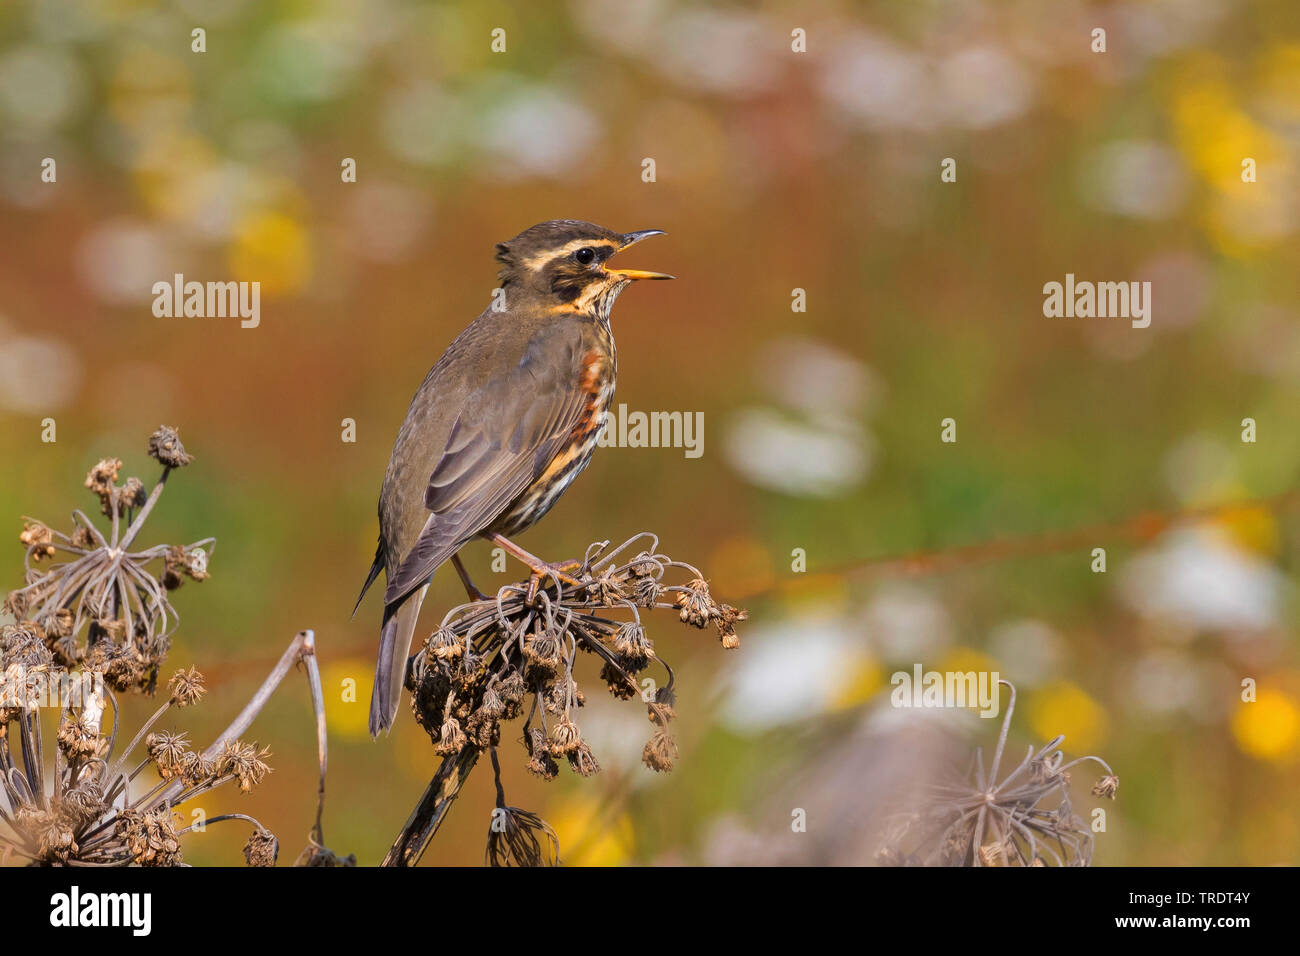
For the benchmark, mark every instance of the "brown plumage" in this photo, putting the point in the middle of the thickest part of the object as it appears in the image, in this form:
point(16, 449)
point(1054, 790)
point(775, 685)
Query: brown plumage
point(502, 423)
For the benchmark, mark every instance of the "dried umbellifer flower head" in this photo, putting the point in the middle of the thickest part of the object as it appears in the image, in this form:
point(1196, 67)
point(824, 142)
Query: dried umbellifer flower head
point(660, 752)
point(1106, 787)
point(519, 838)
point(100, 598)
point(81, 805)
point(131, 495)
point(488, 656)
point(981, 820)
point(165, 446)
point(102, 479)
point(37, 539)
point(187, 687)
point(262, 848)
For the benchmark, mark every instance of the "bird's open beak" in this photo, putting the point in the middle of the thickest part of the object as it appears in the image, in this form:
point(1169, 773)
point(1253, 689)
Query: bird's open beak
point(630, 239)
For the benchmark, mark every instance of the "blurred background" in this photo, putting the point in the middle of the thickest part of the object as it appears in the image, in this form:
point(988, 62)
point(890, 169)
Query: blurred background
point(774, 171)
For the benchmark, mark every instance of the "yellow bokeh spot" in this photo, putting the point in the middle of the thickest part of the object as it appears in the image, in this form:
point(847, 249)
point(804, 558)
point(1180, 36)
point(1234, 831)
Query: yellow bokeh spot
point(1279, 79)
point(1268, 729)
point(271, 248)
point(589, 837)
point(345, 687)
point(964, 660)
point(1064, 708)
point(1215, 135)
point(861, 679)
point(1251, 528)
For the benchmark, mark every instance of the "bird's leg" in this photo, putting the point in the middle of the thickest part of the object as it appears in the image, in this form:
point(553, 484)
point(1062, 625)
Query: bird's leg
point(541, 569)
point(474, 593)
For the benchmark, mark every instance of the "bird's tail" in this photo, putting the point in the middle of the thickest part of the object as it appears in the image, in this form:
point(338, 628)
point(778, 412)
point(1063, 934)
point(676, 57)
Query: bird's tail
point(375, 568)
point(390, 669)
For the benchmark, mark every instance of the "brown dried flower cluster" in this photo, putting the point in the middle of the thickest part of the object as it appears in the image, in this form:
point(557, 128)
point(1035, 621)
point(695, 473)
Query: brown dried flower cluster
point(1024, 819)
point(90, 814)
point(500, 659)
point(83, 804)
point(104, 607)
point(515, 656)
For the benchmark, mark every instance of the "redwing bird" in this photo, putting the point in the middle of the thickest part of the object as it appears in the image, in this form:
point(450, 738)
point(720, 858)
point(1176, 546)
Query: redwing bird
point(501, 425)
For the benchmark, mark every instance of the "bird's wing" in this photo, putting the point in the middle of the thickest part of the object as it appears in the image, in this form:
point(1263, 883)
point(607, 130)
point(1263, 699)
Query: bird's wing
point(507, 433)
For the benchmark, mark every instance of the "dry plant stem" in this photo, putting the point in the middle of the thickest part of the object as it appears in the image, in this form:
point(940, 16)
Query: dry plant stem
point(301, 648)
point(138, 523)
point(431, 810)
point(322, 752)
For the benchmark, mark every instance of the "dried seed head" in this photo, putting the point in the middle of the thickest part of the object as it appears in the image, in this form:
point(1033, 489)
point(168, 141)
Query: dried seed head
point(55, 839)
point(582, 761)
point(78, 738)
point(1106, 787)
point(660, 752)
point(85, 801)
point(262, 848)
point(186, 687)
point(519, 838)
point(102, 479)
point(565, 737)
point(446, 644)
point(59, 624)
point(16, 604)
point(451, 739)
point(165, 446)
point(132, 495)
point(944, 830)
point(726, 618)
point(196, 564)
point(696, 606)
point(646, 591)
point(645, 568)
point(173, 568)
point(316, 855)
point(542, 651)
point(513, 688)
point(169, 752)
point(244, 762)
point(541, 763)
point(38, 540)
point(195, 768)
point(191, 562)
point(632, 645)
point(659, 714)
point(122, 672)
point(492, 706)
point(151, 836)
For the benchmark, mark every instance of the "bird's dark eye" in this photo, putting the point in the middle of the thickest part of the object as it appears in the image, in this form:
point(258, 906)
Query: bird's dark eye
point(586, 255)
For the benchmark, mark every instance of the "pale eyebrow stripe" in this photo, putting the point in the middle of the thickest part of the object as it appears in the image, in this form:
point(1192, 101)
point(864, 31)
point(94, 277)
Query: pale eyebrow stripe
point(536, 262)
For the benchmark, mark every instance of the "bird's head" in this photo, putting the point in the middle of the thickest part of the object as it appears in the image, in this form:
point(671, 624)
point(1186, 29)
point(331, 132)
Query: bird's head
point(568, 260)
